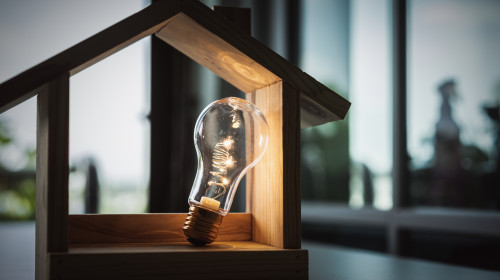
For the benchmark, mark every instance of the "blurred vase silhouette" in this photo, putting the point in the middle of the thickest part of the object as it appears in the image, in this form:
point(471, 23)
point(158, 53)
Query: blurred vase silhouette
point(449, 180)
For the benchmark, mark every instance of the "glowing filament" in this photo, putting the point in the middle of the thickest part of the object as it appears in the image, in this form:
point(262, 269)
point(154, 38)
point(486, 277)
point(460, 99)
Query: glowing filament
point(227, 143)
point(235, 120)
point(221, 160)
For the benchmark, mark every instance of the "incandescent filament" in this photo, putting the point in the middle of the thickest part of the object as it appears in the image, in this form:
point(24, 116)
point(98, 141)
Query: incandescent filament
point(221, 160)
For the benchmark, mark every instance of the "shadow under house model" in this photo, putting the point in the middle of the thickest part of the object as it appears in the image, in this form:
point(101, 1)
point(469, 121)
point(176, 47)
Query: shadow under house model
point(265, 242)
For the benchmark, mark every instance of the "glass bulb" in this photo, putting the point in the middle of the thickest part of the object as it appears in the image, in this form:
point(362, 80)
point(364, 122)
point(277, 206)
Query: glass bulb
point(230, 137)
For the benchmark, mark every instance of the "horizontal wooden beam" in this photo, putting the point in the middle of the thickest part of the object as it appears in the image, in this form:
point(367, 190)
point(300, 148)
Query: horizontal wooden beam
point(147, 228)
point(221, 260)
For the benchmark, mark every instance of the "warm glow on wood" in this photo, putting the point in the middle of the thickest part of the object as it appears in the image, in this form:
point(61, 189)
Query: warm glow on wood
point(185, 34)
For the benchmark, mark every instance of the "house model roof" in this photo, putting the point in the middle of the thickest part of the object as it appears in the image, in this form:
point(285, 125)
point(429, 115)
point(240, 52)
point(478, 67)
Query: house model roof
point(202, 35)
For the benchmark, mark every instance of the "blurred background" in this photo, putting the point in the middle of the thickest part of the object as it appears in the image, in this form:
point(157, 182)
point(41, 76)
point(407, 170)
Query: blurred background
point(413, 170)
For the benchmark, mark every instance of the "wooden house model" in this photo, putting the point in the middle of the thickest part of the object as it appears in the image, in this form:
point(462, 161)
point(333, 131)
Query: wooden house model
point(264, 242)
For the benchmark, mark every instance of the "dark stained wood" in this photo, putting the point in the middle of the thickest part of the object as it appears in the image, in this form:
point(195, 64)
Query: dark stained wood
point(147, 228)
point(223, 260)
point(52, 171)
point(240, 17)
point(291, 168)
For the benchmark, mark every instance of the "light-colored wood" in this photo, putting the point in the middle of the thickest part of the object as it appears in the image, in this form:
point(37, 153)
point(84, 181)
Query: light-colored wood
point(148, 228)
point(186, 35)
point(321, 103)
point(274, 183)
point(52, 171)
point(88, 52)
point(223, 260)
point(167, 247)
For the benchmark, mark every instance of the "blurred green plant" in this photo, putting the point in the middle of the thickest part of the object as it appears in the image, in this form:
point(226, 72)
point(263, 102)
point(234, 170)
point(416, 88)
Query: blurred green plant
point(17, 188)
point(325, 161)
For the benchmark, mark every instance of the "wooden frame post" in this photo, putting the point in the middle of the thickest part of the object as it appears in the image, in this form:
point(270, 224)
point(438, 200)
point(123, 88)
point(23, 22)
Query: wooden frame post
point(273, 185)
point(52, 171)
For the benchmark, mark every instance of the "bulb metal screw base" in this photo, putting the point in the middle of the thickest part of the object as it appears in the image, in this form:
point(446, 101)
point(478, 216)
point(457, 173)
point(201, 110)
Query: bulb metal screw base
point(201, 226)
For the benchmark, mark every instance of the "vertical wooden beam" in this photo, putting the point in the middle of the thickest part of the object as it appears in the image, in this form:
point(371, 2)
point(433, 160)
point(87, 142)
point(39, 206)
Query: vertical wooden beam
point(52, 170)
point(273, 197)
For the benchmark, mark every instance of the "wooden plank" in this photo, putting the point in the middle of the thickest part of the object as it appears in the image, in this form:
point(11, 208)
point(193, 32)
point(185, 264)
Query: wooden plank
point(274, 183)
point(291, 167)
point(52, 171)
point(166, 247)
point(252, 55)
point(186, 35)
point(194, 263)
point(88, 52)
point(147, 228)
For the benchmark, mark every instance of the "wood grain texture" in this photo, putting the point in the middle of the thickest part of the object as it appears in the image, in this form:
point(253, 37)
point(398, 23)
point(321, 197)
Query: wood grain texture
point(88, 52)
point(321, 98)
point(186, 35)
point(52, 171)
point(274, 183)
point(183, 246)
point(181, 261)
point(147, 228)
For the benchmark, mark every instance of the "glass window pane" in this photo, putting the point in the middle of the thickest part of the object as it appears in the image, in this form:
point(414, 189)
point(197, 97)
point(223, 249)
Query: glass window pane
point(36, 31)
point(17, 162)
point(370, 117)
point(346, 47)
point(108, 133)
point(324, 55)
point(453, 103)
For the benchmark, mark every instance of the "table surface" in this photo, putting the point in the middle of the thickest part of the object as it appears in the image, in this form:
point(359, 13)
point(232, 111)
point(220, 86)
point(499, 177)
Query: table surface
point(17, 261)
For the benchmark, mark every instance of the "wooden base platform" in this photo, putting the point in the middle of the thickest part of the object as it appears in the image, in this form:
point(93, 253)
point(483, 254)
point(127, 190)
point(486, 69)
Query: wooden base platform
point(179, 260)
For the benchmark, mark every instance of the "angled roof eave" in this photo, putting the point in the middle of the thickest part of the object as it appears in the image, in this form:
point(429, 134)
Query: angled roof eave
point(256, 65)
point(217, 44)
point(88, 52)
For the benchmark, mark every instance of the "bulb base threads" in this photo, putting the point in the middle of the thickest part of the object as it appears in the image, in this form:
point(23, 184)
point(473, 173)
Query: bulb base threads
point(201, 226)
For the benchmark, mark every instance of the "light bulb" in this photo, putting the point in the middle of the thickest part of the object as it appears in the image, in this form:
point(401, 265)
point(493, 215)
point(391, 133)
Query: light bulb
point(230, 137)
